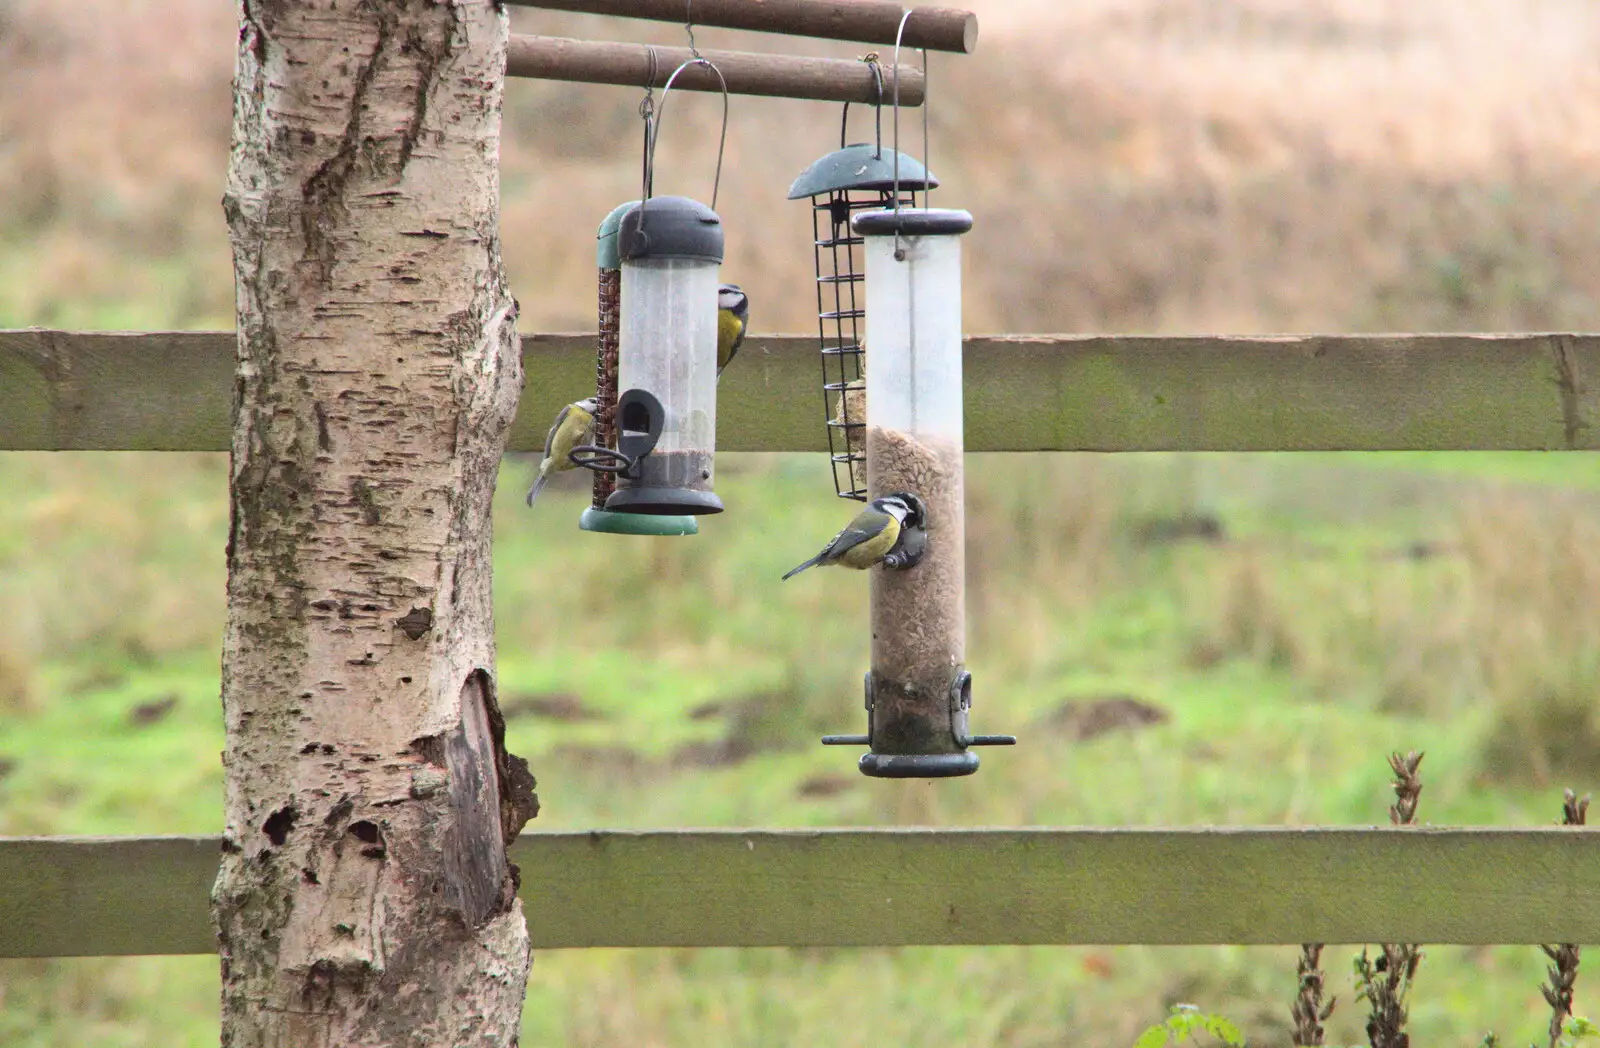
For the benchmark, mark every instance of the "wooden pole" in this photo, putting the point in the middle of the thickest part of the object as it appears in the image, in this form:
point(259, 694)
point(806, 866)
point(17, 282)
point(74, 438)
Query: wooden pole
point(864, 21)
point(775, 76)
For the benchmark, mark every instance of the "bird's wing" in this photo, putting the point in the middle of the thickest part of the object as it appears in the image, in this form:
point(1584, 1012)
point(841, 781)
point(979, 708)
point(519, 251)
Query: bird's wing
point(575, 427)
point(867, 526)
point(550, 438)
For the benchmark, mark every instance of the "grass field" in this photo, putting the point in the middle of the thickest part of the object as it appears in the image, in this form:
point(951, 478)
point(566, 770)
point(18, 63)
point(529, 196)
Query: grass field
point(1350, 606)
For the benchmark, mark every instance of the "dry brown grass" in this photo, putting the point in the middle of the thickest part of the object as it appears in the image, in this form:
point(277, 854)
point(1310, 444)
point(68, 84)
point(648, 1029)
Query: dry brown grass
point(1133, 164)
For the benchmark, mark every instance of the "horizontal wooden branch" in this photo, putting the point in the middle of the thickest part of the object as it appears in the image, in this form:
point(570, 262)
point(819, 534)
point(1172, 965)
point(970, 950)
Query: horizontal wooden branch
point(172, 390)
point(102, 896)
point(746, 73)
point(863, 21)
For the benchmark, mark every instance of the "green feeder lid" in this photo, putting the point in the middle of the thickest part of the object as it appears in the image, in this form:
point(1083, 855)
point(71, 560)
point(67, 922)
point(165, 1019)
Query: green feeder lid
point(613, 523)
point(861, 166)
point(606, 252)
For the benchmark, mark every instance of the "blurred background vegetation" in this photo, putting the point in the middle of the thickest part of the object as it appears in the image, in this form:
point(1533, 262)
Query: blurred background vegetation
point(1177, 639)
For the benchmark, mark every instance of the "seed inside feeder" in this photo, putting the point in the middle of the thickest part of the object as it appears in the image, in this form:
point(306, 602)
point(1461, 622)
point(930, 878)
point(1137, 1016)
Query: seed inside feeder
point(918, 614)
point(676, 469)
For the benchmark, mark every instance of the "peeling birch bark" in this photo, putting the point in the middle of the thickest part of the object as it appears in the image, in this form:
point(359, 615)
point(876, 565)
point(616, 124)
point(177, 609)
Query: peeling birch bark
point(365, 897)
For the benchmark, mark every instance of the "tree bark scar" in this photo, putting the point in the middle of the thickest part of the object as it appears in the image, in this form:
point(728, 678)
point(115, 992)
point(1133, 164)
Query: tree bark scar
point(324, 439)
point(255, 30)
point(1570, 383)
point(430, 53)
point(324, 192)
point(476, 881)
point(519, 804)
point(416, 622)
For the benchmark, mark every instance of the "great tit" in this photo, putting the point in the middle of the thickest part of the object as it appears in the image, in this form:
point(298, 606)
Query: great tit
point(868, 538)
point(733, 319)
point(572, 427)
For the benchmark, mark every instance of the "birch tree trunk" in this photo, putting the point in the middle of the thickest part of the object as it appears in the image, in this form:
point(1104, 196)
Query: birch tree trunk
point(365, 897)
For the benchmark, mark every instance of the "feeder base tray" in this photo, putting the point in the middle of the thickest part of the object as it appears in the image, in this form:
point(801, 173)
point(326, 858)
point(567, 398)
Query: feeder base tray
point(918, 765)
point(636, 523)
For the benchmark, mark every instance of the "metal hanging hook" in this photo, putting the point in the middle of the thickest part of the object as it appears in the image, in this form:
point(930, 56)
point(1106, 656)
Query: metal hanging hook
point(899, 252)
point(688, 26)
point(927, 158)
point(871, 58)
point(647, 112)
point(653, 133)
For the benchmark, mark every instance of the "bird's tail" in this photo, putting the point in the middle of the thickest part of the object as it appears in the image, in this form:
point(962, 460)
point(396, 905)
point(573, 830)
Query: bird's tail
point(797, 569)
point(538, 485)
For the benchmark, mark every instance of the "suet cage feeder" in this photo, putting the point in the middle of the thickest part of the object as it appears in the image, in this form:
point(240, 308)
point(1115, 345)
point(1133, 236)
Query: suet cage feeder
point(918, 693)
point(848, 181)
point(596, 517)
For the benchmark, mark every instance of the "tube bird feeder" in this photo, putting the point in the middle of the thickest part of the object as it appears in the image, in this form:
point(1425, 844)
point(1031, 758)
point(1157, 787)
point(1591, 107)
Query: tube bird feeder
point(596, 517)
point(918, 693)
point(670, 249)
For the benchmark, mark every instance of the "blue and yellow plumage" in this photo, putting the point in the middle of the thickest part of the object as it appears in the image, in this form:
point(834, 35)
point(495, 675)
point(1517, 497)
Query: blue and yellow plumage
point(867, 539)
point(733, 320)
point(572, 427)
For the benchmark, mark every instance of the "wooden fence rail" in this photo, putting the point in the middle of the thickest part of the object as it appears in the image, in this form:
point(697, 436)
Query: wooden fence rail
point(148, 895)
point(171, 391)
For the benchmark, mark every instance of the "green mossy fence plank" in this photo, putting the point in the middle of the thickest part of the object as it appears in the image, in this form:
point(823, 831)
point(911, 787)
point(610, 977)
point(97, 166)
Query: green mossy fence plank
point(112, 391)
point(98, 896)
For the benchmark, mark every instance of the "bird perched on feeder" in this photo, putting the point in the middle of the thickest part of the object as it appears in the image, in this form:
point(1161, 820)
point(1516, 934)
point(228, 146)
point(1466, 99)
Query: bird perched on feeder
point(733, 319)
point(869, 538)
point(572, 427)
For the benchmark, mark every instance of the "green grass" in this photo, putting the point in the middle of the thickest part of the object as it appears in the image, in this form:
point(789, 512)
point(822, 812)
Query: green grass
point(1274, 655)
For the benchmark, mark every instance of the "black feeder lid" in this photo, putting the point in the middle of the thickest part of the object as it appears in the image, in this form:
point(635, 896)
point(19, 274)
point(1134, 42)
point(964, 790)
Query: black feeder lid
point(912, 222)
point(861, 166)
point(670, 227)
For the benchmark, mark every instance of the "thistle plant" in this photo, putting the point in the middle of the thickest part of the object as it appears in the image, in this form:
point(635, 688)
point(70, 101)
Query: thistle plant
point(1564, 958)
point(1309, 1011)
point(1385, 983)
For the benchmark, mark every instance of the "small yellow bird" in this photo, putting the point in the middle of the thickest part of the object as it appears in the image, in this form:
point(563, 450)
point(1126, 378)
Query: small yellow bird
point(573, 426)
point(733, 320)
point(867, 539)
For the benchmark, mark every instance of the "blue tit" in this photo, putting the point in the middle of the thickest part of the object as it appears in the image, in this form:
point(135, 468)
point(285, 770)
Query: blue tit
point(733, 320)
point(572, 427)
point(867, 539)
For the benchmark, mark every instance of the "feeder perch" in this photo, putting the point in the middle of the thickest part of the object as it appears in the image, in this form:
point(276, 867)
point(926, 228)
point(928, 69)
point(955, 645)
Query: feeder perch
point(670, 249)
point(596, 517)
point(853, 179)
point(919, 693)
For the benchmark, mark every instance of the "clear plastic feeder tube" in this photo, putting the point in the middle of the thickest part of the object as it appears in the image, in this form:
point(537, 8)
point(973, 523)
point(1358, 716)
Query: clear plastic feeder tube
point(914, 443)
point(669, 347)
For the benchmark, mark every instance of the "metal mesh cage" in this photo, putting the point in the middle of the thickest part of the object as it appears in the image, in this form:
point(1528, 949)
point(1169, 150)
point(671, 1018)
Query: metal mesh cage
point(853, 178)
point(840, 314)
